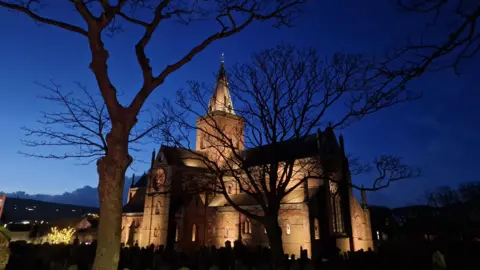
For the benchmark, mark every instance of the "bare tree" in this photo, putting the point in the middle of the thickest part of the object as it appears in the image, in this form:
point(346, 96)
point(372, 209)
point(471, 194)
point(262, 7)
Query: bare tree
point(82, 124)
point(104, 17)
point(182, 188)
point(443, 197)
point(387, 169)
point(470, 192)
point(79, 124)
point(451, 37)
point(282, 98)
point(446, 196)
point(457, 210)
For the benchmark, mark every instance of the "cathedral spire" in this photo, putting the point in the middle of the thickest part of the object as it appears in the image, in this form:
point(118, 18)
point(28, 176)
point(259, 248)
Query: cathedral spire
point(221, 100)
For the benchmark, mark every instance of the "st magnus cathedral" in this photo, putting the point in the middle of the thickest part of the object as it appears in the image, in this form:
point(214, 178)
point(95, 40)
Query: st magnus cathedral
point(316, 215)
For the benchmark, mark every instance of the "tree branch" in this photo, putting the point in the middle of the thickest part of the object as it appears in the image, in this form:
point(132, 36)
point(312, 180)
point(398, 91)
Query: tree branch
point(150, 82)
point(284, 95)
point(26, 10)
point(459, 42)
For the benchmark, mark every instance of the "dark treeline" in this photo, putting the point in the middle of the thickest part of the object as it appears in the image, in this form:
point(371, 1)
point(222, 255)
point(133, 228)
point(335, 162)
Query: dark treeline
point(455, 211)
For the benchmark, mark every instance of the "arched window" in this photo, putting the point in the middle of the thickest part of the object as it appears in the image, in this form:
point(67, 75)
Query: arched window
point(202, 140)
point(227, 232)
point(247, 226)
point(316, 229)
point(157, 209)
point(177, 233)
point(358, 228)
point(337, 218)
point(229, 189)
point(288, 229)
point(194, 233)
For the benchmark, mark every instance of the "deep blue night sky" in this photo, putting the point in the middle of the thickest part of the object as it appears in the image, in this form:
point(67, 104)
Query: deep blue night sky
point(437, 133)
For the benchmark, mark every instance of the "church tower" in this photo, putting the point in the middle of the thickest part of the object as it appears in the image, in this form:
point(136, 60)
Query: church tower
point(220, 121)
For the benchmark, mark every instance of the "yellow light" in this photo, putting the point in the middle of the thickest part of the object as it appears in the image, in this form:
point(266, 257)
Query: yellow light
point(63, 236)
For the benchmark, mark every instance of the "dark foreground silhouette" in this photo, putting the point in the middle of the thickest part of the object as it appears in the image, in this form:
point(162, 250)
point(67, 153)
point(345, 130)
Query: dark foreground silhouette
point(411, 256)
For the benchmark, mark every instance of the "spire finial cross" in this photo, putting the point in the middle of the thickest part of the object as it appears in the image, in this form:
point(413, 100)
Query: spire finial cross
point(222, 58)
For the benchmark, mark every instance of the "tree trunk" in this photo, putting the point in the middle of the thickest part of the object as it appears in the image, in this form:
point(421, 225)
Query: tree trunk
point(175, 205)
point(111, 171)
point(274, 233)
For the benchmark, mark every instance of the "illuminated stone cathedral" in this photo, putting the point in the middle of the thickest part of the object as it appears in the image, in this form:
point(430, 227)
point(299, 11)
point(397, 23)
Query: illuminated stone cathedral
point(316, 215)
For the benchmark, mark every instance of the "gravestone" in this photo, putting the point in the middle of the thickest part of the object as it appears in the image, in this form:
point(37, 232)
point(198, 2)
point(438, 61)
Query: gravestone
point(4, 248)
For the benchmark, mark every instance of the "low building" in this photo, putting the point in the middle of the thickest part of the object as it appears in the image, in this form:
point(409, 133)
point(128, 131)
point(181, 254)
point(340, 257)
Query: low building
point(31, 220)
point(37, 232)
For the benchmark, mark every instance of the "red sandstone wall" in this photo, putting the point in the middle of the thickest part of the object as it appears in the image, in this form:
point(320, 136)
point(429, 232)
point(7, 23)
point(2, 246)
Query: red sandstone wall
point(361, 227)
point(192, 223)
point(293, 216)
point(127, 222)
point(155, 216)
point(296, 217)
point(232, 126)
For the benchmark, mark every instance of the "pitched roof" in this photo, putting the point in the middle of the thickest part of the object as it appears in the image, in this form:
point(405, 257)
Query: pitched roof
point(319, 143)
point(77, 223)
point(136, 206)
point(132, 208)
point(290, 149)
point(296, 196)
point(142, 182)
point(181, 156)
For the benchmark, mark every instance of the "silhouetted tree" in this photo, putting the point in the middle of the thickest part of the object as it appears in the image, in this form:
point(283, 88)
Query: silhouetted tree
point(457, 210)
point(442, 197)
point(470, 192)
point(283, 96)
point(451, 36)
point(100, 18)
point(79, 124)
